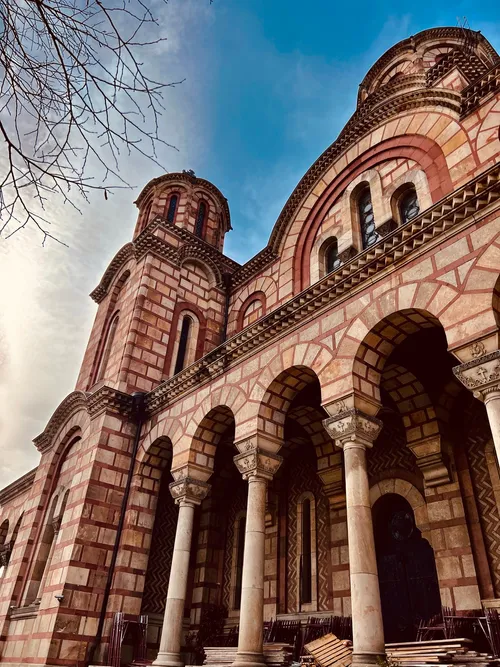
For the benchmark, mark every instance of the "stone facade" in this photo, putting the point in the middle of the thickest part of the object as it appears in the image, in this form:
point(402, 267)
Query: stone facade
point(350, 367)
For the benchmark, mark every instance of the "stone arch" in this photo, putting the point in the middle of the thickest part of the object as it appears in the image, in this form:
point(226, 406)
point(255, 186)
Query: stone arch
point(4, 531)
point(190, 253)
point(229, 396)
point(423, 429)
point(264, 285)
point(428, 302)
point(277, 400)
point(215, 425)
point(415, 178)
point(380, 341)
point(71, 415)
point(123, 260)
point(311, 420)
point(496, 300)
point(255, 297)
point(412, 401)
point(349, 206)
point(404, 488)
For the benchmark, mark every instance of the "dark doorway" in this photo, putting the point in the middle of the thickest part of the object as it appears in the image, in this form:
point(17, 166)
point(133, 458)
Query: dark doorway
point(409, 585)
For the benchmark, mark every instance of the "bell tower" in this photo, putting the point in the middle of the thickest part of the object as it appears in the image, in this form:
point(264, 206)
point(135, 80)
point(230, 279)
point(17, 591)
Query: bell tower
point(162, 299)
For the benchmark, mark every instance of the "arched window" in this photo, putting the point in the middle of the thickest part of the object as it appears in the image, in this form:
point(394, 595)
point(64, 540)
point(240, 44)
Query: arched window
point(171, 207)
point(240, 548)
point(107, 347)
point(306, 554)
point(4, 547)
point(145, 215)
point(408, 205)
point(183, 344)
point(200, 219)
point(332, 260)
point(366, 219)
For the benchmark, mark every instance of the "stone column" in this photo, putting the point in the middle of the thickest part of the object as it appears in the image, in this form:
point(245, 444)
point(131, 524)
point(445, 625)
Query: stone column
point(482, 377)
point(188, 493)
point(258, 468)
point(354, 432)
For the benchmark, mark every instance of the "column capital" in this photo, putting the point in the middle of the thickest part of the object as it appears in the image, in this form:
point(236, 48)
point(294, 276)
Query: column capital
point(189, 490)
point(481, 375)
point(353, 426)
point(257, 462)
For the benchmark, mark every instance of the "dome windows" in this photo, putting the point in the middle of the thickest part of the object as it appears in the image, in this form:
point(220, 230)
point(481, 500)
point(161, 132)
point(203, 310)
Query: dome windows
point(332, 260)
point(201, 216)
point(408, 205)
point(366, 218)
point(171, 207)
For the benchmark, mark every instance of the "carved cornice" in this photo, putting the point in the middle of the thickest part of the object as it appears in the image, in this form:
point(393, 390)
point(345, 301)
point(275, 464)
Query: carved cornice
point(122, 256)
point(149, 241)
point(254, 266)
point(18, 487)
point(467, 62)
point(413, 42)
point(107, 399)
point(438, 220)
point(189, 490)
point(481, 375)
point(73, 403)
point(362, 121)
point(473, 95)
point(257, 462)
point(190, 179)
point(353, 426)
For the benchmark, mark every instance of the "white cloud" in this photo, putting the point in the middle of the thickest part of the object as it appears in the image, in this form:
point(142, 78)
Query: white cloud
point(45, 312)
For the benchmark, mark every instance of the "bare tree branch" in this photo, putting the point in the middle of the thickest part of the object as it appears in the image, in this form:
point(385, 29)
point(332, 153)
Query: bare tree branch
point(74, 99)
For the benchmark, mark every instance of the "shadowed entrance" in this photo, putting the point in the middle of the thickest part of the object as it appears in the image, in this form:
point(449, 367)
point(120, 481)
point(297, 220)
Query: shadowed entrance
point(409, 586)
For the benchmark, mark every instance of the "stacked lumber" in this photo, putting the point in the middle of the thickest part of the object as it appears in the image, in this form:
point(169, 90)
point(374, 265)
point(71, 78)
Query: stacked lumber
point(330, 651)
point(275, 655)
point(444, 652)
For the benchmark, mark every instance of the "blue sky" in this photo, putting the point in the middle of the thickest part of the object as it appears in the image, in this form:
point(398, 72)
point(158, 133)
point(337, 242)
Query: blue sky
point(283, 83)
point(268, 86)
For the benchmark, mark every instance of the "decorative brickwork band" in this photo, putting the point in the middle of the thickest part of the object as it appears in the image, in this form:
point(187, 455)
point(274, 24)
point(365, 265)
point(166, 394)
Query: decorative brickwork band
point(258, 467)
point(355, 431)
point(482, 376)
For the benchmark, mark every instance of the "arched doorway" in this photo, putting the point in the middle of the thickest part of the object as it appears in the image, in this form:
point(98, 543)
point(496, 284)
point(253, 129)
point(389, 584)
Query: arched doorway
point(409, 586)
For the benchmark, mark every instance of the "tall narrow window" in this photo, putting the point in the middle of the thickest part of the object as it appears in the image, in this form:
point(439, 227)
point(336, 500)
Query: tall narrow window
point(306, 557)
point(107, 348)
point(145, 215)
point(366, 219)
point(408, 205)
point(171, 208)
point(4, 547)
point(332, 260)
point(200, 219)
point(183, 343)
point(240, 537)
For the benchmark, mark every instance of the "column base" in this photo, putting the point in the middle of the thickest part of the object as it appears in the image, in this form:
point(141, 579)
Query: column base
point(168, 660)
point(249, 659)
point(368, 659)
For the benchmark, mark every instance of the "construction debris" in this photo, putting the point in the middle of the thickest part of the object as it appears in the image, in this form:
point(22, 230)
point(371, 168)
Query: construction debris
point(330, 651)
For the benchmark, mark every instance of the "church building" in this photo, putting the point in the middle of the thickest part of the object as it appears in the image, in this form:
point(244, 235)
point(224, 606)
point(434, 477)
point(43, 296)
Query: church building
point(315, 433)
